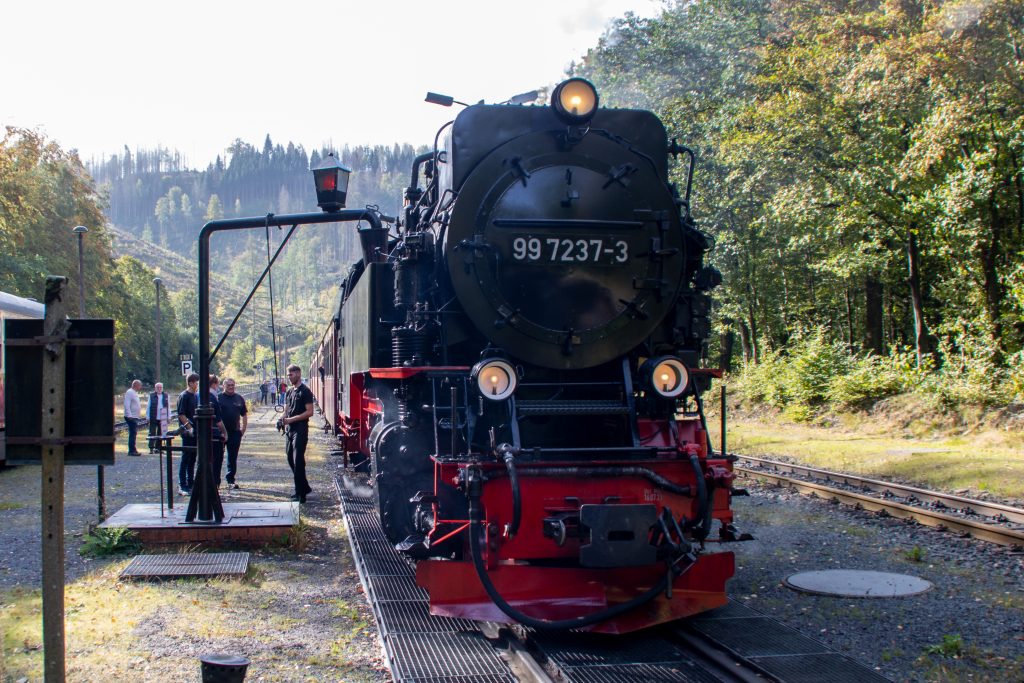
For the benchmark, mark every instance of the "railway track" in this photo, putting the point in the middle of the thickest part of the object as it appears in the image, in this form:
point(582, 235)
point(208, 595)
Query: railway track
point(987, 521)
point(733, 644)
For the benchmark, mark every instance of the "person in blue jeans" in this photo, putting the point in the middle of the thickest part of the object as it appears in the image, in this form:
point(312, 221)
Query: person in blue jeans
point(132, 413)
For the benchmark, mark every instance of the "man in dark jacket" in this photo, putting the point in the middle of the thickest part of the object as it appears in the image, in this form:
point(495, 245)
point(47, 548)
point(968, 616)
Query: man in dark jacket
point(297, 411)
point(235, 415)
point(218, 434)
point(188, 401)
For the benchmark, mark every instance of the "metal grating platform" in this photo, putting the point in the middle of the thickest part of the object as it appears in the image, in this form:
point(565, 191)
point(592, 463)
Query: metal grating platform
point(680, 672)
point(445, 655)
point(831, 667)
point(388, 588)
point(186, 564)
point(778, 649)
point(420, 648)
point(758, 637)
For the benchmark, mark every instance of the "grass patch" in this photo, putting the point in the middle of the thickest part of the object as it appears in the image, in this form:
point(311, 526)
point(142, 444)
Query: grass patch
point(11, 506)
point(915, 554)
point(952, 646)
point(987, 460)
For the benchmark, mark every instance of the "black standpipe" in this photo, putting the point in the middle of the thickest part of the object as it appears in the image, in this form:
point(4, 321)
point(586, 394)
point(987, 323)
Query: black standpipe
point(205, 506)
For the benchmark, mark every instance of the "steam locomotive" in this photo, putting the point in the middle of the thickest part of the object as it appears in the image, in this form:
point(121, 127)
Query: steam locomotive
point(518, 365)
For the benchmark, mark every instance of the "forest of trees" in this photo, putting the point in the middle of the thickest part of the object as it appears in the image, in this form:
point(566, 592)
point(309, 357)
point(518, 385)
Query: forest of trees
point(154, 197)
point(859, 166)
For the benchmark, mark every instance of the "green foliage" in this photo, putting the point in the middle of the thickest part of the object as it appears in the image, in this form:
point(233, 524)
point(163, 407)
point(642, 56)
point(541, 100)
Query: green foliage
point(44, 193)
point(108, 541)
point(951, 646)
point(915, 554)
point(859, 169)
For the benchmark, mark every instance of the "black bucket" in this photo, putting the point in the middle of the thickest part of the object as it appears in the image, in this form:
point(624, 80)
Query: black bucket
point(223, 668)
point(374, 244)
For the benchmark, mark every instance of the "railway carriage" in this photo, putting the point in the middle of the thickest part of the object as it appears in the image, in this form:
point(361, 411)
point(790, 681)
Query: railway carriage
point(520, 365)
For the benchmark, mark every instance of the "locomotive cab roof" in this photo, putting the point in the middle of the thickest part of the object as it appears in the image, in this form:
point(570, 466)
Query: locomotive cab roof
point(481, 128)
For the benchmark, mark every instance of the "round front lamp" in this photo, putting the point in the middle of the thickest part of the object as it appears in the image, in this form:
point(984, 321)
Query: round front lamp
point(575, 101)
point(331, 179)
point(495, 379)
point(666, 376)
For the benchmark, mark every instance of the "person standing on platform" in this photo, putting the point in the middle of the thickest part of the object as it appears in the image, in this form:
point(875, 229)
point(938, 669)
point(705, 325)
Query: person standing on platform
point(263, 393)
point(158, 411)
point(235, 415)
point(132, 413)
point(188, 401)
point(217, 433)
point(297, 411)
point(273, 391)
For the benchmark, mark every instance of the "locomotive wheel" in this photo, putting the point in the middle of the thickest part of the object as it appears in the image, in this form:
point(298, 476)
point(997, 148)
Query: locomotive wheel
point(400, 469)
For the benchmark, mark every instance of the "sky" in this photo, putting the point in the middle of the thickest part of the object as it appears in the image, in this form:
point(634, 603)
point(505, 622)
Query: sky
point(193, 76)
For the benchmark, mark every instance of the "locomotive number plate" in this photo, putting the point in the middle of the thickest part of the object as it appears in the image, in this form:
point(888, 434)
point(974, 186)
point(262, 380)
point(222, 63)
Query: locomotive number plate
point(543, 250)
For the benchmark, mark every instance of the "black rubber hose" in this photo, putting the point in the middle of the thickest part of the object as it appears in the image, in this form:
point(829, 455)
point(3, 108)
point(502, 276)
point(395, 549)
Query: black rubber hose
point(517, 502)
point(544, 624)
point(647, 474)
point(702, 500)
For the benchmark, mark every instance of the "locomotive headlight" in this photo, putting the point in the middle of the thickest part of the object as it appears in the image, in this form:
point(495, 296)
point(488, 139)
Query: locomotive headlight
point(666, 376)
point(495, 379)
point(575, 100)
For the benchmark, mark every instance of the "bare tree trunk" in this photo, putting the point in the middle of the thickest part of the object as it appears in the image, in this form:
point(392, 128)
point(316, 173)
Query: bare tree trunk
point(849, 317)
point(989, 256)
point(726, 343)
point(874, 334)
point(922, 343)
point(754, 349)
point(748, 353)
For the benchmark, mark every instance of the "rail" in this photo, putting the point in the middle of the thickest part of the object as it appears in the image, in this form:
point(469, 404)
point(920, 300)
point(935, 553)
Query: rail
point(1000, 530)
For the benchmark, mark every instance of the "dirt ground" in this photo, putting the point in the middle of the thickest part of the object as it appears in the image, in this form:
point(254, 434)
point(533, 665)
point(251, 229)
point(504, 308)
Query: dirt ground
point(298, 615)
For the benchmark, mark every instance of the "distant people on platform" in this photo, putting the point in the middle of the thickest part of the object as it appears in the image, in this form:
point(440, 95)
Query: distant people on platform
point(272, 388)
point(283, 390)
point(298, 409)
point(132, 413)
point(159, 413)
point(235, 415)
point(188, 401)
point(217, 433)
point(263, 393)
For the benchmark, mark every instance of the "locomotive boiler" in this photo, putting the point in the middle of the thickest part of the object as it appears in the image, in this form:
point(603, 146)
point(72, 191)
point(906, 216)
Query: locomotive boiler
point(519, 365)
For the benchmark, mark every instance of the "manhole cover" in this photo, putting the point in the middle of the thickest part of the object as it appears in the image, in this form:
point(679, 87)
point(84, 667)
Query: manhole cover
point(852, 583)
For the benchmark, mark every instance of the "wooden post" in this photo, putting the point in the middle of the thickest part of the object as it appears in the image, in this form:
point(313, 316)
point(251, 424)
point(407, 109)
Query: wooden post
point(721, 439)
point(55, 329)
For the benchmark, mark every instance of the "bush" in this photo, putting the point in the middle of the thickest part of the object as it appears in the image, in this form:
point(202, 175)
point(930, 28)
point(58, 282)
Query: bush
point(104, 542)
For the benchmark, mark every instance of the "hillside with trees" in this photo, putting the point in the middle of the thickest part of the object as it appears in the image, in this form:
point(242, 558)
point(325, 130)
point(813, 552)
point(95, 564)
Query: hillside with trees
point(859, 166)
point(158, 206)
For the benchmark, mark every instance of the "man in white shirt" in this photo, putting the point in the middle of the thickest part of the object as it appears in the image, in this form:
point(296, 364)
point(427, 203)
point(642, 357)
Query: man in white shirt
point(132, 413)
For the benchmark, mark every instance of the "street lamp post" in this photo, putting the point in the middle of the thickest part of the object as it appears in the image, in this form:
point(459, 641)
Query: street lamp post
point(80, 230)
point(156, 284)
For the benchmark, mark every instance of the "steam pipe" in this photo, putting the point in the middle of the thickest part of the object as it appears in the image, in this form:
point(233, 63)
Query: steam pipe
point(594, 472)
point(517, 502)
point(416, 163)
